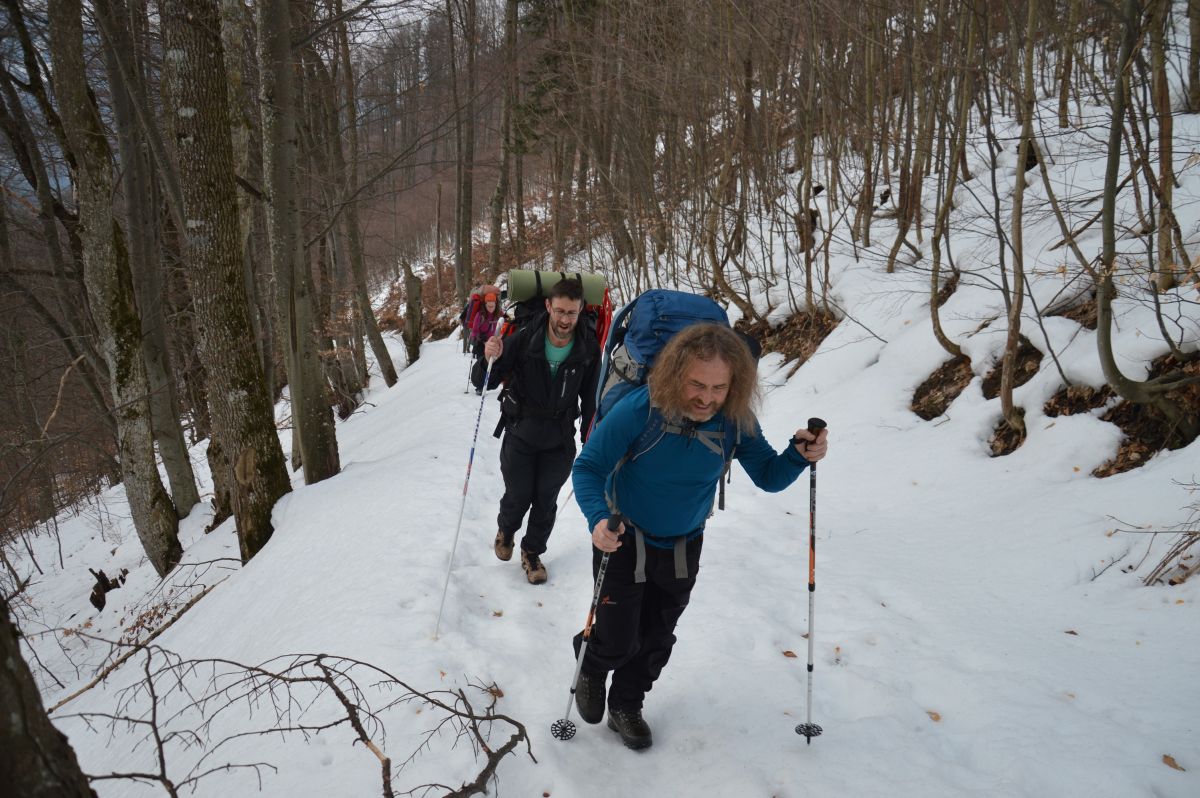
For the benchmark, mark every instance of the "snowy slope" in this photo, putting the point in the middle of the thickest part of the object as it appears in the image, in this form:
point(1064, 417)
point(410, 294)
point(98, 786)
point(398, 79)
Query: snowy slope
point(969, 638)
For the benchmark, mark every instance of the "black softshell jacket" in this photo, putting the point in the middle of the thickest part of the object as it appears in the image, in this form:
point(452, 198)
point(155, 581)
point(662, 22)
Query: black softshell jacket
point(537, 409)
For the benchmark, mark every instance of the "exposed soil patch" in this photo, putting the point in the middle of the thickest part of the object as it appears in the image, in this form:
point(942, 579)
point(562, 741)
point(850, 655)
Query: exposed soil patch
point(1077, 399)
point(796, 339)
point(1006, 439)
point(946, 290)
point(1029, 359)
point(1083, 313)
point(942, 387)
point(1146, 430)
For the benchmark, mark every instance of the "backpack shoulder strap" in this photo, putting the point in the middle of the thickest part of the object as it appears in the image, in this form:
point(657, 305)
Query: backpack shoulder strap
point(656, 426)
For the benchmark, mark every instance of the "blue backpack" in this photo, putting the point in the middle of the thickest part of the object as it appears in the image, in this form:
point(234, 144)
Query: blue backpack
point(639, 332)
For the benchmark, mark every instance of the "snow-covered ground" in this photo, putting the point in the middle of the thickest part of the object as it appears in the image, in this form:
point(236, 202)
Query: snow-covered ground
point(971, 638)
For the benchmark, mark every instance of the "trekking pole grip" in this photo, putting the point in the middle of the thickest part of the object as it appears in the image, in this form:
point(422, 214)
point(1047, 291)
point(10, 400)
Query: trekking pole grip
point(815, 425)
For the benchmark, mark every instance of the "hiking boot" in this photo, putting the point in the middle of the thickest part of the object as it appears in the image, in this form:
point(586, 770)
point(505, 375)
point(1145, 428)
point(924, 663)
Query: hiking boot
point(589, 696)
point(630, 725)
point(535, 572)
point(504, 546)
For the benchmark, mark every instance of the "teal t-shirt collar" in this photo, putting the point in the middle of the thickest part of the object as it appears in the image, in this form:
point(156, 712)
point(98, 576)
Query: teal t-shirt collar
point(555, 355)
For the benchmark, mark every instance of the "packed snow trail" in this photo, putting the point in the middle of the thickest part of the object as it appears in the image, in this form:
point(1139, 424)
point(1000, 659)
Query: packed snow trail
point(961, 647)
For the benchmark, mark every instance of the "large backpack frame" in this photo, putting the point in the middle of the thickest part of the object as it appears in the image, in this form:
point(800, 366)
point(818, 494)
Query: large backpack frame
point(638, 333)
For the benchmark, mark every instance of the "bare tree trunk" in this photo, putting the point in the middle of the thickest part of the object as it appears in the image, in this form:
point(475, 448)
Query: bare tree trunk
point(940, 223)
point(462, 281)
point(562, 167)
point(311, 415)
point(146, 267)
point(437, 245)
point(1149, 392)
point(353, 239)
point(466, 196)
point(1193, 14)
point(110, 288)
point(35, 756)
point(1159, 23)
point(235, 20)
point(241, 412)
point(1014, 416)
point(1066, 64)
point(412, 313)
point(506, 145)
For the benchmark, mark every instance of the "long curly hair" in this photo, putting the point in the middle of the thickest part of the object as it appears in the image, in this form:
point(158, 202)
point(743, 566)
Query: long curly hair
point(706, 342)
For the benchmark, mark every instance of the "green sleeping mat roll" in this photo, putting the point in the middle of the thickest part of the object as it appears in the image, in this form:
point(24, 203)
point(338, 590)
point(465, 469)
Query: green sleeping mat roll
point(526, 283)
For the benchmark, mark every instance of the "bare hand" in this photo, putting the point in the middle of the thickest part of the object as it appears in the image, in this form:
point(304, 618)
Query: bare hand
point(604, 539)
point(812, 447)
point(493, 348)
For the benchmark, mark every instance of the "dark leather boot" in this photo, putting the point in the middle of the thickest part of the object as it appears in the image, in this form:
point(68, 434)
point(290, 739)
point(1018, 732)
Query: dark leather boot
point(589, 696)
point(631, 726)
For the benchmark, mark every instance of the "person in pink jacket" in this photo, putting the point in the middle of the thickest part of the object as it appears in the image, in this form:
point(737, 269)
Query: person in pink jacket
point(485, 324)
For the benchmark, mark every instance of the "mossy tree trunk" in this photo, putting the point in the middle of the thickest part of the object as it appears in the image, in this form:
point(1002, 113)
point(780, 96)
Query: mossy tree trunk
point(110, 291)
point(241, 412)
point(141, 202)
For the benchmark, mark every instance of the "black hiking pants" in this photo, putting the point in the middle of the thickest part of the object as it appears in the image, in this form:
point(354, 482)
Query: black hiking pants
point(634, 628)
point(532, 479)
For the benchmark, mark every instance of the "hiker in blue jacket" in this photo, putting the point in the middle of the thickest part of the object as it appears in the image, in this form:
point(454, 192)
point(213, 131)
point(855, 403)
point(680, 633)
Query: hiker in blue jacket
point(703, 388)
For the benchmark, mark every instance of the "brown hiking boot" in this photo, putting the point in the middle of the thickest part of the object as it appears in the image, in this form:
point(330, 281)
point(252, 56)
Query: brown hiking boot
point(535, 572)
point(632, 727)
point(504, 546)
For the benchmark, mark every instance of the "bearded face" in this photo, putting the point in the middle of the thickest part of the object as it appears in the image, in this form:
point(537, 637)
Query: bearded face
point(564, 315)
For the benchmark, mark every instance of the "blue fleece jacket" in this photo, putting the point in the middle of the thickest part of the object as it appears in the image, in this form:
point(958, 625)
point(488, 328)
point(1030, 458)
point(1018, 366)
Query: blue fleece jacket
point(668, 491)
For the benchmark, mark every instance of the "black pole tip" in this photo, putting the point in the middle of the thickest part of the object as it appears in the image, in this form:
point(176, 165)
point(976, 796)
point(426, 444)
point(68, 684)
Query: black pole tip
point(815, 425)
point(563, 729)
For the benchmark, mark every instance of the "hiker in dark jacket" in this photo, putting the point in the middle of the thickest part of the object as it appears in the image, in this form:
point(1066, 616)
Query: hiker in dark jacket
point(704, 386)
point(550, 369)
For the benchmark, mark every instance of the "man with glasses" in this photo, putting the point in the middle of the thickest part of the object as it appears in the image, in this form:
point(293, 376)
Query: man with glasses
point(549, 369)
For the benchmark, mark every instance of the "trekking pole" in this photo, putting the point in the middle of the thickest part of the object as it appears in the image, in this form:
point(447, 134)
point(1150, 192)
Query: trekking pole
point(566, 501)
point(809, 729)
point(470, 460)
point(564, 727)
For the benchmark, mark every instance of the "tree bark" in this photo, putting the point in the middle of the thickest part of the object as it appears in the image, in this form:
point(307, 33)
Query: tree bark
point(110, 288)
point(1149, 392)
point(1161, 88)
point(462, 282)
point(1193, 14)
point(1014, 416)
point(509, 98)
point(140, 204)
point(234, 22)
point(311, 414)
point(242, 416)
point(466, 197)
point(940, 225)
point(35, 756)
point(353, 238)
point(412, 313)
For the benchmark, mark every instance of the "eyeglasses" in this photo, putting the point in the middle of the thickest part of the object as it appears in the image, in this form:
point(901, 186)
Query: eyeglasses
point(564, 314)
